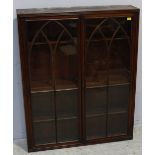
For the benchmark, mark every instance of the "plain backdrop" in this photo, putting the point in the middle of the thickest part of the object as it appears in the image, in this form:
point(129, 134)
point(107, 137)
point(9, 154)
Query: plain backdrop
point(19, 131)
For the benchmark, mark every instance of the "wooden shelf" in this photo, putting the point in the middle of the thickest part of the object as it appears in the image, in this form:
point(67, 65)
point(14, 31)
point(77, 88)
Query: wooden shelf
point(43, 119)
point(50, 42)
point(65, 85)
point(61, 85)
point(71, 42)
point(104, 114)
point(95, 115)
point(107, 39)
point(48, 119)
point(115, 77)
point(41, 86)
point(118, 112)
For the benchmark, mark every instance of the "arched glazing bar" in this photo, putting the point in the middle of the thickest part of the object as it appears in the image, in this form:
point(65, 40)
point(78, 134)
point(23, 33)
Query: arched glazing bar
point(44, 25)
point(115, 32)
point(99, 27)
point(52, 47)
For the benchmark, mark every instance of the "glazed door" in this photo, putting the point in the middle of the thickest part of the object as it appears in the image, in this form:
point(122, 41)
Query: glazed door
point(53, 59)
point(107, 72)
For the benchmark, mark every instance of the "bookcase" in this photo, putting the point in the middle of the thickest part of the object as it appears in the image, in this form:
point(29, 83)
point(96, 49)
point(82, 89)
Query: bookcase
point(79, 74)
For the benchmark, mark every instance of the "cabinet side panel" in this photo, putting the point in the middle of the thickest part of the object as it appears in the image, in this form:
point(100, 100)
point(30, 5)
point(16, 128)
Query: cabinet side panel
point(25, 82)
point(134, 53)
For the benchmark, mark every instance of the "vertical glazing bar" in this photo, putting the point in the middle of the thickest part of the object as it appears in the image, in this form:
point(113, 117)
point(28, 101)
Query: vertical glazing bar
point(79, 52)
point(83, 65)
point(54, 88)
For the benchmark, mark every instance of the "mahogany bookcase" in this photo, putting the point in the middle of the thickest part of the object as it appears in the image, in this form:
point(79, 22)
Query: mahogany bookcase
point(79, 74)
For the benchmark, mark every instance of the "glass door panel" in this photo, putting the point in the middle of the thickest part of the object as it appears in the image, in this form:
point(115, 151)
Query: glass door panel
point(54, 79)
point(107, 67)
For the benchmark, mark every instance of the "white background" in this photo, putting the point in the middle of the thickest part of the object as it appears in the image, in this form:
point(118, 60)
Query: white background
point(19, 123)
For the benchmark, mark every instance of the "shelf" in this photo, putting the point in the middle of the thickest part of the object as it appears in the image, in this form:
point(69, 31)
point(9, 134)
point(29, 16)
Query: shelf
point(104, 114)
point(66, 118)
point(118, 76)
point(98, 85)
point(47, 119)
point(50, 42)
point(118, 112)
point(61, 85)
point(108, 39)
point(65, 85)
point(95, 115)
point(43, 119)
point(71, 42)
point(115, 77)
point(41, 86)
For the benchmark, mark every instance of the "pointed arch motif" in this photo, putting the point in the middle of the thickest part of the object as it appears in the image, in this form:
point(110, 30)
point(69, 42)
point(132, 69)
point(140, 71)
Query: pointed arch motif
point(52, 48)
point(64, 29)
point(99, 27)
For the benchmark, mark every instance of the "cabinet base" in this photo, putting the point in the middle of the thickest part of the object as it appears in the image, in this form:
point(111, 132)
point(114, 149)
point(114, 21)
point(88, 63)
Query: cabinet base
point(78, 143)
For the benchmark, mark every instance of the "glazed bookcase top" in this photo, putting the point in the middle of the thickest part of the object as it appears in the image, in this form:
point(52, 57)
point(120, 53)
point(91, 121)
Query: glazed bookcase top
point(75, 9)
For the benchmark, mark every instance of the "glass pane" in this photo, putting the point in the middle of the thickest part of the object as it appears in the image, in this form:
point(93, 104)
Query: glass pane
point(66, 56)
point(117, 124)
point(96, 80)
point(42, 105)
point(67, 81)
point(118, 98)
point(96, 53)
point(67, 103)
point(43, 117)
point(68, 129)
point(119, 51)
point(96, 126)
point(39, 56)
point(96, 99)
point(44, 132)
point(119, 77)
